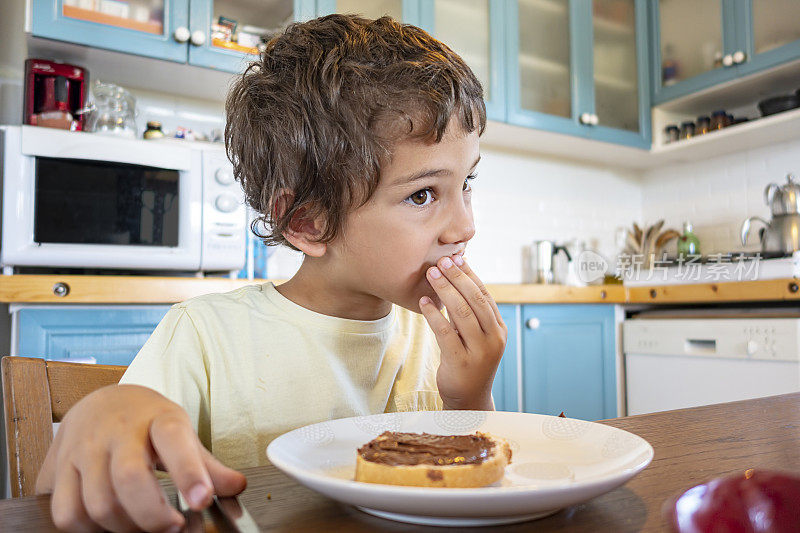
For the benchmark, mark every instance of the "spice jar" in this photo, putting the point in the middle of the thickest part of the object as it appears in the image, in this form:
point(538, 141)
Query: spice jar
point(671, 134)
point(703, 125)
point(719, 120)
point(687, 130)
point(153, 130)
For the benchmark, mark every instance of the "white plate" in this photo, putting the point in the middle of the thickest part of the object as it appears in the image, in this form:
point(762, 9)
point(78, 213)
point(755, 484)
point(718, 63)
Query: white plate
point(557, 462)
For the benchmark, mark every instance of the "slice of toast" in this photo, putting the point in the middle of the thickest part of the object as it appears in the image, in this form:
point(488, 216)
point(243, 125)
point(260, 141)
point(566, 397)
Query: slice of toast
point(425, 460)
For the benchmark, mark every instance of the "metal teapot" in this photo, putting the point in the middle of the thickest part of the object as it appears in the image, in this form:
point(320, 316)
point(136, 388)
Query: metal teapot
point(782, 233)
point(542, 260)
point(783, 200)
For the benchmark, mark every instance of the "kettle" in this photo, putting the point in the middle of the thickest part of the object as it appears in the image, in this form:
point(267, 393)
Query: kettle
point(782, 233)
point(543, 253)
point(783, 200)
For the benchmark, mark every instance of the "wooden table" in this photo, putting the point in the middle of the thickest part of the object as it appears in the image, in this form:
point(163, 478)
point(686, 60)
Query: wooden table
point(691, 446)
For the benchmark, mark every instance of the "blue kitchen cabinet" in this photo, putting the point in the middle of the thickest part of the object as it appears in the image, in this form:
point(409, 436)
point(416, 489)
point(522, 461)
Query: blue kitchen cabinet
point(769, 34)
point(474, 30)
point(275, 15)
point(112, 335)
point(579, 68)
point(152, 35)
point(407, 11)
point(505, 389)
point(173, 30)
point(697, 45)
point(569, 360)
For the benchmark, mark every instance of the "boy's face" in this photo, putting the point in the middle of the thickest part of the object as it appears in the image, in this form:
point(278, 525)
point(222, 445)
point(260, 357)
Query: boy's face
point(420, 212)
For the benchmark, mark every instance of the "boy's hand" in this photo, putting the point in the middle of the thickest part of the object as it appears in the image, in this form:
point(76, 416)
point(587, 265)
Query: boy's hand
point(100, 465)
point(472, 341)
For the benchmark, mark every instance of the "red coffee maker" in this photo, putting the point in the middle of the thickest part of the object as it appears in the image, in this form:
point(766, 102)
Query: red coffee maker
point(54, 94)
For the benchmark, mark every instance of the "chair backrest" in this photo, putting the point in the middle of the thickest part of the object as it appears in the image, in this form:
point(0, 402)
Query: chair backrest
point(37, 393)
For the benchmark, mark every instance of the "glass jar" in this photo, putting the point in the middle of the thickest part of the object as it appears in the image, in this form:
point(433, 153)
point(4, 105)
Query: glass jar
point(719, 120)
point(671, 134)
point(703, 125)
point(153, 130)
point(687, 130)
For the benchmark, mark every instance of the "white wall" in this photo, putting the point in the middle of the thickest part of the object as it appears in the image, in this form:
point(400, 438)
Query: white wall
point(519, 198)
point(717, 194)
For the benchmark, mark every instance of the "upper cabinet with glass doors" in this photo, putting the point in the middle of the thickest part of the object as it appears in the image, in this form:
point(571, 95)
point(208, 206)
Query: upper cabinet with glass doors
point(701, 44)
point(579, 68)
point(472, 28)
point(405, 10)
point(219, 34)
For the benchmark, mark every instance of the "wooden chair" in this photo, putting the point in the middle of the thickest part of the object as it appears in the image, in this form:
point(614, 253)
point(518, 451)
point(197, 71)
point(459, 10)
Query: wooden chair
point(37, 393)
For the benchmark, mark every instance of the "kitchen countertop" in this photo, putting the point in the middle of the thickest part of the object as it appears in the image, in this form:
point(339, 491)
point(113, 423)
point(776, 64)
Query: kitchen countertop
point(34, 288)
point(691, 446)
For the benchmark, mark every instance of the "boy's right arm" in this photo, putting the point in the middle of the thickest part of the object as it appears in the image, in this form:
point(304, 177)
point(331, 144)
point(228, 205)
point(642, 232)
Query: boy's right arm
point(100, 467)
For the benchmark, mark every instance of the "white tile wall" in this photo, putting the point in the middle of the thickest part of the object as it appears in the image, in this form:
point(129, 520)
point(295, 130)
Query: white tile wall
point(518, 199)
point(716, 195)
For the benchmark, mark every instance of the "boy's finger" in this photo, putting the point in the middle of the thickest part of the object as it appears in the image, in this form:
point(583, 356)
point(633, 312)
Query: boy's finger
point(100, 499)
point(138, 490)
point(459, 311)
point(227, 481)
point(474, 296)
point(474, 277)
point(446, 335)
point(66, 505)
point(176, 443)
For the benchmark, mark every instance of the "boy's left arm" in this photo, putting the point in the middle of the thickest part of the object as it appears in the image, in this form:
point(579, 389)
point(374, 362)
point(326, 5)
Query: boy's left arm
point(472, 341)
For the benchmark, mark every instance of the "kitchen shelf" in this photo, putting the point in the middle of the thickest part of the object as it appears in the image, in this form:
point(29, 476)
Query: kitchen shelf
point(612, 26)
point(547, 6)
point(614, 83)
point(747, 135)
point(91, 15)
point(542, 64)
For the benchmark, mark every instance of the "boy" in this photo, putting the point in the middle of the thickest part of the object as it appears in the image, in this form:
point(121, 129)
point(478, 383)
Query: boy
point(357, 141)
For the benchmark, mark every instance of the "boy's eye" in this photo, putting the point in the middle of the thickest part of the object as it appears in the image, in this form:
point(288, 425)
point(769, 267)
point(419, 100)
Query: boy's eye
point(467, 186)
point(421, 197)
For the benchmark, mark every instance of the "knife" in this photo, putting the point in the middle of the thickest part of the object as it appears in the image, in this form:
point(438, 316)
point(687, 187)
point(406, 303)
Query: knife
point(194, 519)
point(231, 513)
point(228, 515)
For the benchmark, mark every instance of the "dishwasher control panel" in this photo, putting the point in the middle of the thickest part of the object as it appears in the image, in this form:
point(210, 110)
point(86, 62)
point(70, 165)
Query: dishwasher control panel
point(733, 338)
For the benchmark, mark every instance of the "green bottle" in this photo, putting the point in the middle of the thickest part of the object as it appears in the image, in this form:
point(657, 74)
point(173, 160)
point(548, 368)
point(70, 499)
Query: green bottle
point(688, 243)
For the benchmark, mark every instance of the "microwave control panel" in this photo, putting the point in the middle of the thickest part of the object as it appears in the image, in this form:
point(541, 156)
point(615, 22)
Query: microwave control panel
point(224, 215)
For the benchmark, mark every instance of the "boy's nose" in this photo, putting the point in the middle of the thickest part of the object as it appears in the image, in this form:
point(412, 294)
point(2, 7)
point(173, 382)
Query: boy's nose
point(460, 226)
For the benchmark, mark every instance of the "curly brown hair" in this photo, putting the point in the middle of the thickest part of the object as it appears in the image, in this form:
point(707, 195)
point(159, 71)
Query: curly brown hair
point(320, 109)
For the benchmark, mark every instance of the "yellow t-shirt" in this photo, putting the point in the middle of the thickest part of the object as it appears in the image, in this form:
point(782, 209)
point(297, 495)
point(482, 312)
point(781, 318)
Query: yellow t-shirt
point(250, 364)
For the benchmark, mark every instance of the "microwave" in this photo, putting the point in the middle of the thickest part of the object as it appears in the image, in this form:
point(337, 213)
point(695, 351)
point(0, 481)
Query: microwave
point(83, 200)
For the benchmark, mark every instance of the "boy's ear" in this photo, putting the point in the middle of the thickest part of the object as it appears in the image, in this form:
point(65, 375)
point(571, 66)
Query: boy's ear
point(304, 230)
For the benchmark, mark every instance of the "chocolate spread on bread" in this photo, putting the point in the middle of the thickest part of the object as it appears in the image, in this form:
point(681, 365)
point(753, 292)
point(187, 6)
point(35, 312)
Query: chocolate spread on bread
point(394, 448)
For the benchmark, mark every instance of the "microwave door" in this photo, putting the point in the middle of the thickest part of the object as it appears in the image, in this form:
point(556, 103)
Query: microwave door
point(96, 213)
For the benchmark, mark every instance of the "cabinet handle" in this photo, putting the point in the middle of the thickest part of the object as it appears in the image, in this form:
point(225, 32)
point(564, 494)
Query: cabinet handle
point(586, 118)
point(739, 57)
point(182, 34)
point(533, 323)
point(595, 120)
point(60, 289)
point(198, 38)
point(727, 60)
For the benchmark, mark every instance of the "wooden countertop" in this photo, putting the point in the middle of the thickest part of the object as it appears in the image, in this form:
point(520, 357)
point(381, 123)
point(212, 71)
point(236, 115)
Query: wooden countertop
point(691, 446)
point(29, 288)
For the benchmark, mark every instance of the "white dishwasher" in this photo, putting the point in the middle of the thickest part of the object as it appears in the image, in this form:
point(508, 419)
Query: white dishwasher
point(672, 363)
